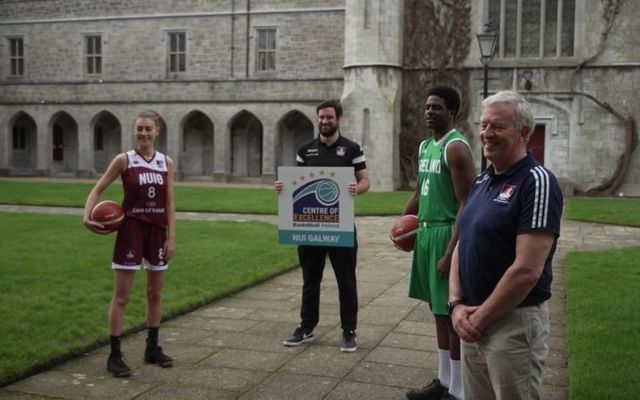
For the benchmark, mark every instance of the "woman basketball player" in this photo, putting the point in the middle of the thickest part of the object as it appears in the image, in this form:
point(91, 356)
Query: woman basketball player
point(146, 237)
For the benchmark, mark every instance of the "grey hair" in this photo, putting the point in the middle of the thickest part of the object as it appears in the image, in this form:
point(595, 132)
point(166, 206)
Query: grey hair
point(524, 116)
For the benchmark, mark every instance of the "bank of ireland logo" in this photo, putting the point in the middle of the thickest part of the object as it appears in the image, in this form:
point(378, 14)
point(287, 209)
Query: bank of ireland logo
point(317, 202)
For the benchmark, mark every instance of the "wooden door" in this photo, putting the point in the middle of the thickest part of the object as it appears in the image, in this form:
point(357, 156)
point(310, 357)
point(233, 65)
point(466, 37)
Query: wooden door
point(536, 143)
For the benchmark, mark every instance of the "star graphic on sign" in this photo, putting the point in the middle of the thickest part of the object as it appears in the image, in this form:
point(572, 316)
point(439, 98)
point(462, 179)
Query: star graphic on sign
point(310, 176)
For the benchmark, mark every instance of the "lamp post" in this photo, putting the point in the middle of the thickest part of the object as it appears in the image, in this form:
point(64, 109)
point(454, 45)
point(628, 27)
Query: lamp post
point(487, 43)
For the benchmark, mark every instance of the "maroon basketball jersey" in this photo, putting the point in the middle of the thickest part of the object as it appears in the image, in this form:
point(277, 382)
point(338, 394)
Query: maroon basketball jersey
point(145, 188)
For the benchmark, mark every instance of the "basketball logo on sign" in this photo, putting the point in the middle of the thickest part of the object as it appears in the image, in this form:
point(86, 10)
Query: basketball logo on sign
point(327, 192)
point(317, 202)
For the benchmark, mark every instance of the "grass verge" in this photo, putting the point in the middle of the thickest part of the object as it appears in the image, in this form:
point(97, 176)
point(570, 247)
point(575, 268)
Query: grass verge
point(603, 323)
point(605, 210)
point(56, 281)
point(224, 199)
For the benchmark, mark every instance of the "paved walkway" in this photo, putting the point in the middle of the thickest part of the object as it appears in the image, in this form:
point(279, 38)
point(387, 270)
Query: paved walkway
point(232, 348)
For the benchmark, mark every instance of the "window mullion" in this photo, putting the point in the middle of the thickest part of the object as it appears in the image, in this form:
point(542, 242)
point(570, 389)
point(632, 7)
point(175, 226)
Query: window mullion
point(559, 30)
point(543, 22)
point(502, 26)
point(519, 29)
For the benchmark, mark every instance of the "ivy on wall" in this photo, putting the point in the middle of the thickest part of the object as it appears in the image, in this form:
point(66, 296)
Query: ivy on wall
point(610, 10)
point(436, 44)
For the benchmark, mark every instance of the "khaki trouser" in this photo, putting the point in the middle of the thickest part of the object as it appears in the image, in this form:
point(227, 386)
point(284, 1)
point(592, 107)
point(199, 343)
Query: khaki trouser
point(506, 363)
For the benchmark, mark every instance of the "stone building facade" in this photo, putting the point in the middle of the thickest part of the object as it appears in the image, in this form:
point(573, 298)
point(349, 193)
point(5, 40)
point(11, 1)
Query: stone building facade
point(576, 138)
point(237, 81)
point(66, 114)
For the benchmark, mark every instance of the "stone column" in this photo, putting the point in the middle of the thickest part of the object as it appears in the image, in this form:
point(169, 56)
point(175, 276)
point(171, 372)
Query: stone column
point(5, 142)
point(85, 146)
point(173, 143)
point(45, 142)
point(269, 147)
point(222, 146)
point(372, 85)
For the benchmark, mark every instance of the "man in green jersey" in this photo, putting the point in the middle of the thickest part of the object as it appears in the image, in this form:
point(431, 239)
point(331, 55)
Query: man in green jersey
point(445, 174)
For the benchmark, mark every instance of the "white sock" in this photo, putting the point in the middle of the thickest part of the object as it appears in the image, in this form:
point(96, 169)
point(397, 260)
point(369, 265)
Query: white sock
point(444, 367)
point(455, 388)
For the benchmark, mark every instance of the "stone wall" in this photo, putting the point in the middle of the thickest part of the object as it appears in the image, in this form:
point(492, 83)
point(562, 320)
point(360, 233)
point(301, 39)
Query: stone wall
point(135, 48)
point(28, 10)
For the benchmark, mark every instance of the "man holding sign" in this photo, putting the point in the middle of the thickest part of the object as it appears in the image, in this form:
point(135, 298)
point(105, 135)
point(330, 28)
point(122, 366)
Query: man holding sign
point(330, 149)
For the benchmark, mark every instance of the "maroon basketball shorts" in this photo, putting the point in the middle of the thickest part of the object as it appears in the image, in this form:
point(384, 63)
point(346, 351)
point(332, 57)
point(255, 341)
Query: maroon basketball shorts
point(139, 243)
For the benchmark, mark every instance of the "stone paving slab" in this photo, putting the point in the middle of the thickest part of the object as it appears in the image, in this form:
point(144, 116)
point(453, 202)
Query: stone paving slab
point(232, 348)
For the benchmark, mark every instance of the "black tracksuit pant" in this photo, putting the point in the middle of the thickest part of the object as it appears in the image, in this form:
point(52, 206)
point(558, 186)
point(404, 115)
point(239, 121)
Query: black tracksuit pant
point(343, 260)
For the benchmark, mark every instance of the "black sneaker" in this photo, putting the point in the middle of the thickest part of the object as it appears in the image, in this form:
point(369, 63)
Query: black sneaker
point(433, 391)
point(348, 343)
point(117, 367)
point(449, 396)
point(156, 356)
point(300, 335)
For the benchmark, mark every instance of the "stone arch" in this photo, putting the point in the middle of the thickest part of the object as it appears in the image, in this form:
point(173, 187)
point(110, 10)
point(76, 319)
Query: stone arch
point(197, 158)
point(24, 142)
point(246, 145)
point(294, 129)
point(554, 104)
point(64, 143)
point(107, 139)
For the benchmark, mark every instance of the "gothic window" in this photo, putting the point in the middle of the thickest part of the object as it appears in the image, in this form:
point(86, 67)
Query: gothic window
point(266, 50)
point(533, 28)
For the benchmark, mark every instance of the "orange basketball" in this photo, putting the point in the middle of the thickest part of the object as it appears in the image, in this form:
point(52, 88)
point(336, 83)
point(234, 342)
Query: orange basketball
point(404, 232)
point(108, 213)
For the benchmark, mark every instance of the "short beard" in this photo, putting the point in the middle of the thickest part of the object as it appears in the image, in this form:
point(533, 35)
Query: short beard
point(328, 133)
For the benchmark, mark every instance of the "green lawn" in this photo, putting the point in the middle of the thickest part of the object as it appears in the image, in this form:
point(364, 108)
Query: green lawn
point(603, 324)
point(56, 281)
point(605, 210)
point(188, 198)
point(603, 307)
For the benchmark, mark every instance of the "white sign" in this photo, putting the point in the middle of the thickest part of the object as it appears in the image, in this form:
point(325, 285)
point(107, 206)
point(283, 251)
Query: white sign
point(315, 207)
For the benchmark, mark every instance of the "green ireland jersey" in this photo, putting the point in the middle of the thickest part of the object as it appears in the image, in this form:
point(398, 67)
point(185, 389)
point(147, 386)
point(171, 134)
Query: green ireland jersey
point(437, 202)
